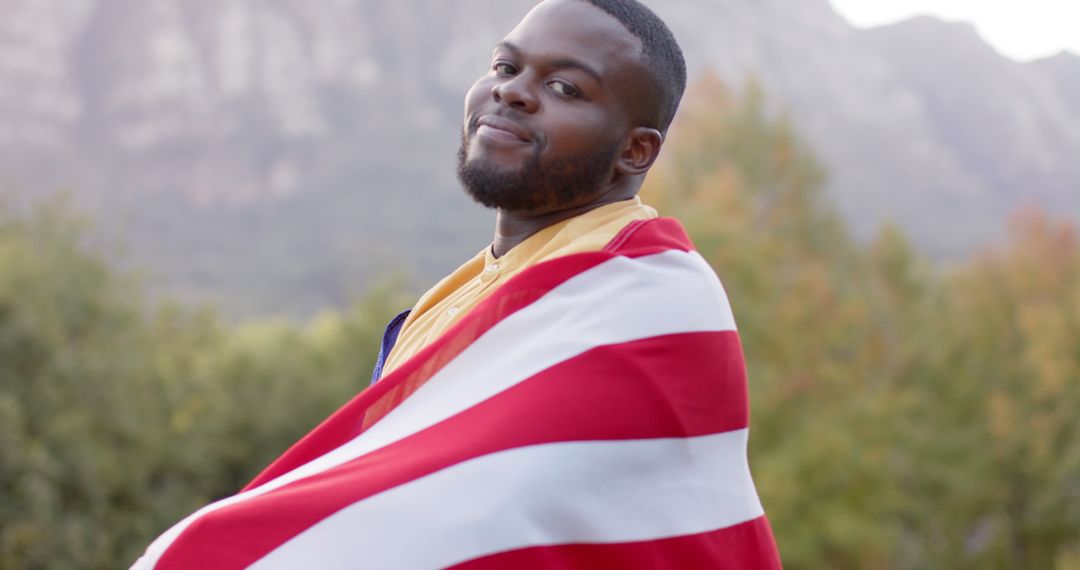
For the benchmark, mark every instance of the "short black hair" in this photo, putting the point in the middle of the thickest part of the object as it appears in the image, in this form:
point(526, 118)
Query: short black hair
point(661, 53)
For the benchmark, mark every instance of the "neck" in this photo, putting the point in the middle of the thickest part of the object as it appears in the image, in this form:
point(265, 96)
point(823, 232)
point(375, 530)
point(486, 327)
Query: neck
point(512, 228)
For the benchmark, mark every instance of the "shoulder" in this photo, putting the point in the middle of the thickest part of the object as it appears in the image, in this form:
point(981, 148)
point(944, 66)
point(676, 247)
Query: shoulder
point(644, 237)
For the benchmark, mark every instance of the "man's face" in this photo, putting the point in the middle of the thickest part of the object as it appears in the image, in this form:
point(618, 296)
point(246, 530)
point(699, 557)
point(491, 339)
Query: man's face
point(544, 126)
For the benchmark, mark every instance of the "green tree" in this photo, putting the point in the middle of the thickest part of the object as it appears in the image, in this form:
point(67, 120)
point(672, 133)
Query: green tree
point(1000, 438)
point(116, 419)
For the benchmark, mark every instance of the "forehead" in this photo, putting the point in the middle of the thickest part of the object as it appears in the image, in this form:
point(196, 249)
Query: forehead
point(577, 30)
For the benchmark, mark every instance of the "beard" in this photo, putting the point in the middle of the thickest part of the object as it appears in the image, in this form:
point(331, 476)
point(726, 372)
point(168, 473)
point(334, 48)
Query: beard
point(534, 186)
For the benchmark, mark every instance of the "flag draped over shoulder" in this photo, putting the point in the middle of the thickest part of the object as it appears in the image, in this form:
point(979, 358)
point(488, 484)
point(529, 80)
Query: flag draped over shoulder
point(591, 413)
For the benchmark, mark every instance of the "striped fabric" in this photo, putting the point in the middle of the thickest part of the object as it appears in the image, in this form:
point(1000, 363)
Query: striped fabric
point(592, 413)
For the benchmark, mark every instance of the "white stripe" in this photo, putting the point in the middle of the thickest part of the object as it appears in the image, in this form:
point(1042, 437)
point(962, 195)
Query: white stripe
point(620, 300)
point(565, 493)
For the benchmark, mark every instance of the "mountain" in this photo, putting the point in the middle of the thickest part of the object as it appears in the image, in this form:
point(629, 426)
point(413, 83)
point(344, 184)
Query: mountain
point(1015, 131)
point(1063, 72)
point(278, 155)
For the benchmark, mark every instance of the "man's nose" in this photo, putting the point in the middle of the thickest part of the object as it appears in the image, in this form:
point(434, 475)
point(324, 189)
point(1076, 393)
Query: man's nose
point(516, 92)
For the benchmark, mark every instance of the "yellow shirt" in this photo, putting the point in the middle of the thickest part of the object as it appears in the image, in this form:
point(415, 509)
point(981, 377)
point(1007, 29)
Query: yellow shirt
point(471, 283)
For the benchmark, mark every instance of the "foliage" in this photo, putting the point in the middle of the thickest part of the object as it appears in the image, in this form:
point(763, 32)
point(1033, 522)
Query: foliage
point(116, 421)
point(902, 417)
point(1004, 383)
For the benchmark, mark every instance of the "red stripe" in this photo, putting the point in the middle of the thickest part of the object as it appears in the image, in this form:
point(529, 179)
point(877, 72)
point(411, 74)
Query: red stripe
point(672, 386)
point(646, 237)
point(637, 239)
point(746, 546)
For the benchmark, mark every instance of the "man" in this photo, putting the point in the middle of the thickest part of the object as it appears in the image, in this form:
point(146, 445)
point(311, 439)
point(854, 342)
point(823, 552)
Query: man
point(572, 397)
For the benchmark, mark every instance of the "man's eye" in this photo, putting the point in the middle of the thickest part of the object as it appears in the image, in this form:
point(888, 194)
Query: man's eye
point(563, 88)
point(504, 69)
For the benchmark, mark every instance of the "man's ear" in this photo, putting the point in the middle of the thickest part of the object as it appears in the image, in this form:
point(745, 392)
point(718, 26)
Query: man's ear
point(639, 152)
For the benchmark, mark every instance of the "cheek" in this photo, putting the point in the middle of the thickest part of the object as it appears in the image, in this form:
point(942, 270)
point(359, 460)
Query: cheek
point(476, 95)
point(581, 133)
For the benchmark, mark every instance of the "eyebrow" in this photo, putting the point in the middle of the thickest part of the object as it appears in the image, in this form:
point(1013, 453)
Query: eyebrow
point(558, 63)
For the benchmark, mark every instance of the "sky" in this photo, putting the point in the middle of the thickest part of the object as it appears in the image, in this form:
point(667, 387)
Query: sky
point(1020, 29)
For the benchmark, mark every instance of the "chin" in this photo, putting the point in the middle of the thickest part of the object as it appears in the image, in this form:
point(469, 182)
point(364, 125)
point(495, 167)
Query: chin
point(495, 163)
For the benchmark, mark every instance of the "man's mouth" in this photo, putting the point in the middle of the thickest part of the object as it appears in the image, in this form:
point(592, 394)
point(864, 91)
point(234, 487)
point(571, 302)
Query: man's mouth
point(497, 128)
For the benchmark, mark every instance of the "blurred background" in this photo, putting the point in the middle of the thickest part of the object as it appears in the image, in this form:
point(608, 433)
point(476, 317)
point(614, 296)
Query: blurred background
point(208, 209)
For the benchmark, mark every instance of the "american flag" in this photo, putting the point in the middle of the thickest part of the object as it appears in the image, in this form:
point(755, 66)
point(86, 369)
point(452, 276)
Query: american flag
point(591, 413)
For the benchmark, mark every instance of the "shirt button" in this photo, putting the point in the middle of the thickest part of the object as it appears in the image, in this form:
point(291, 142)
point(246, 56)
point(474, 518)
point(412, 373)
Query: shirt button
point(452, 311)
